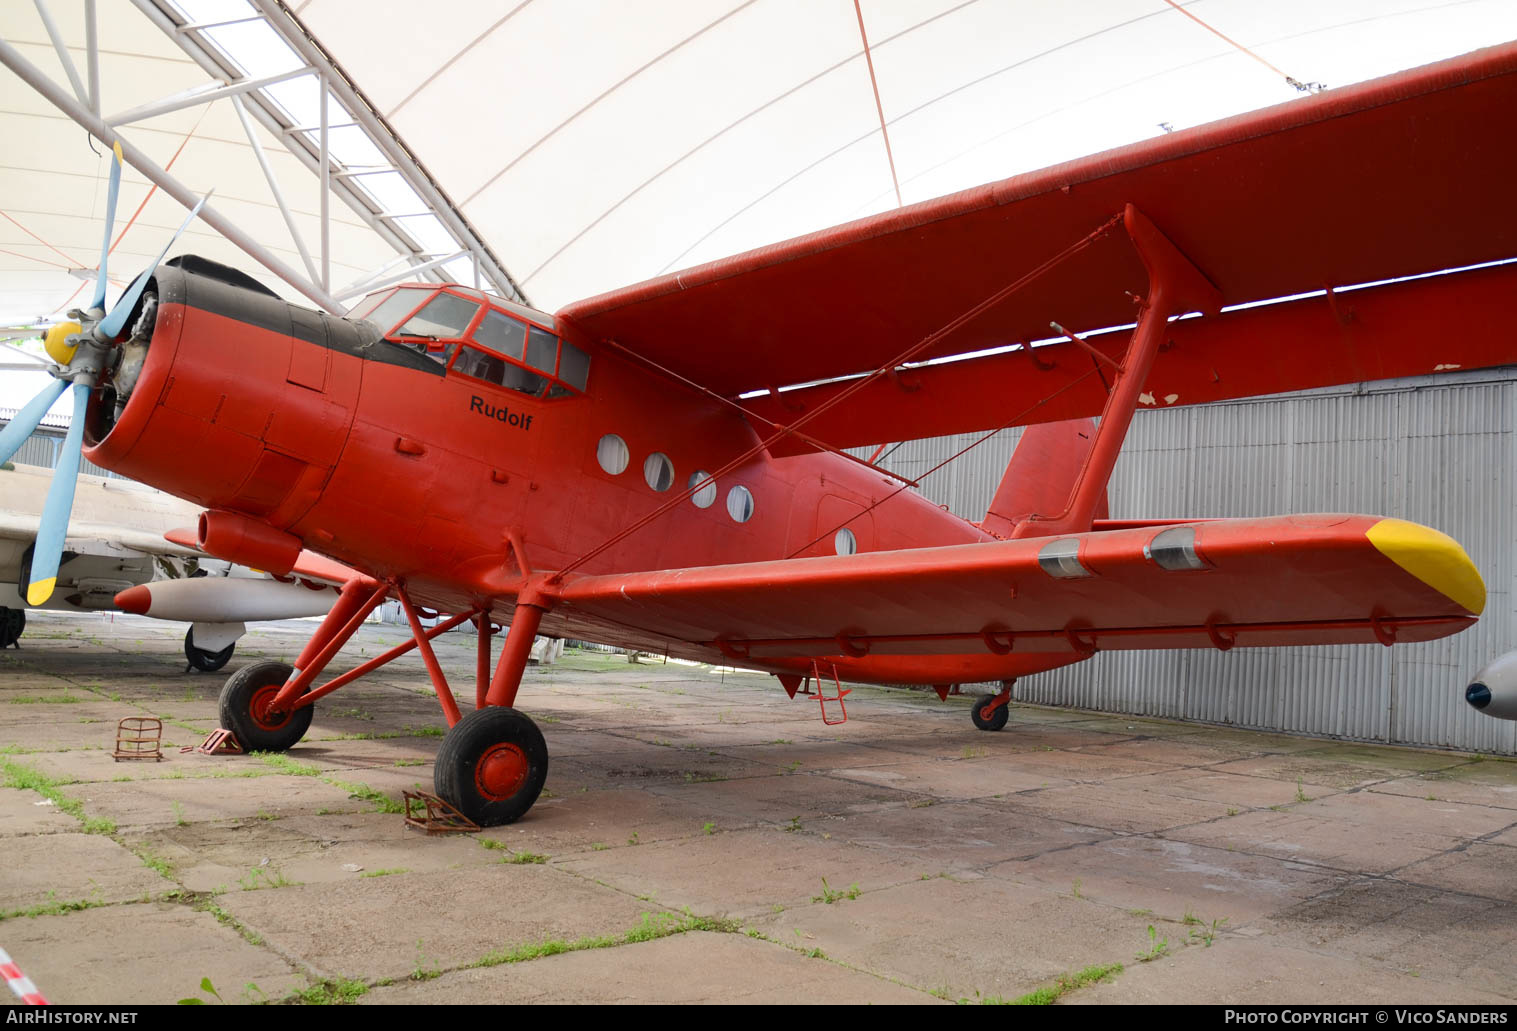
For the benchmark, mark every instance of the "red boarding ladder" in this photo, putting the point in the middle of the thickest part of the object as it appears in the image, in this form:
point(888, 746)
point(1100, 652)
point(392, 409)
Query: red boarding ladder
point(821, 695)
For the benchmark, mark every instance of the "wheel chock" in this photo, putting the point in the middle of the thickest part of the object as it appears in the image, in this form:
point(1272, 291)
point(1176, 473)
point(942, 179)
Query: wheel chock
point(218, 742)
point(139, 737)
point(434, 815)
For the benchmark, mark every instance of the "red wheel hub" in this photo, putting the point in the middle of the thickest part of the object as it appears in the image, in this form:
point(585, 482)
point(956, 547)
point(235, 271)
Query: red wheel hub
point(500, 772)
point(258, 708)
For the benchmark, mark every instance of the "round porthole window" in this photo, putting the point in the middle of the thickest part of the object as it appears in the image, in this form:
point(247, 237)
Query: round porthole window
point(612, 454)
point(844, 542)
point(659, 471)
point(703, 497)
point(740, 504)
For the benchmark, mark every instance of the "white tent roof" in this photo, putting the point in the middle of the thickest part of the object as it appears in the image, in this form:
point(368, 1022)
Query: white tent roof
point(594, 143)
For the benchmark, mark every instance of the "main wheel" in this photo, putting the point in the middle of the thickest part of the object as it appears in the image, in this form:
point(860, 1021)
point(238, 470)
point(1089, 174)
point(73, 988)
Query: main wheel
point(997, 718)
point(206, 661)
point(492, 765)
point(244, 706)
point(12, 622)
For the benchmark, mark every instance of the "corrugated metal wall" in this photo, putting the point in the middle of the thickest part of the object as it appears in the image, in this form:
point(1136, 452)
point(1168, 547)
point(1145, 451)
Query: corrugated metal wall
point(1436, 450)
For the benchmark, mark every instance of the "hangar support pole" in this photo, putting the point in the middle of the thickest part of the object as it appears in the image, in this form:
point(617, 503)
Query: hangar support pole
point(34, 77)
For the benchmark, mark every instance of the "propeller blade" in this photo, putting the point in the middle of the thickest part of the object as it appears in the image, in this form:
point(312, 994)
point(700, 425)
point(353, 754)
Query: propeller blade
point(111, 326)
point(26, 420)
point(58, 507)
point(110, 223)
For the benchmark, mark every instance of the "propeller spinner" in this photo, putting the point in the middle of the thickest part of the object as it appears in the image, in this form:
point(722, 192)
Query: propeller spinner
point(84, 351)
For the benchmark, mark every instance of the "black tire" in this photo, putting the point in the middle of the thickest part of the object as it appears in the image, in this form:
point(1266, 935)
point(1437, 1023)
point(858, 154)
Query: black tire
point(504, 789)
point(246, 695)
point(206, 662)
point(997, 718)
point(12, 623)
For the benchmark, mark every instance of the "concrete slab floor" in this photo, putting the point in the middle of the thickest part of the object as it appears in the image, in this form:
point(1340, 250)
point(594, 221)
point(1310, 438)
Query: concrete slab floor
point(702, 838)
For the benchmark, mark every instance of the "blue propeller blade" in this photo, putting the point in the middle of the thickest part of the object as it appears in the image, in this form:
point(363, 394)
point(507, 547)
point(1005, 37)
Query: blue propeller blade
point(110, 222)
point(26, 420)
point(58, 507)
point(111, 326)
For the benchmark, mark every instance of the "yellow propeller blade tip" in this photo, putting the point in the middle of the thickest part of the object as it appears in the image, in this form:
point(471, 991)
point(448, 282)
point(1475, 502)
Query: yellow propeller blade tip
point(1432, 557)
point(41, 591)
point(116, 149)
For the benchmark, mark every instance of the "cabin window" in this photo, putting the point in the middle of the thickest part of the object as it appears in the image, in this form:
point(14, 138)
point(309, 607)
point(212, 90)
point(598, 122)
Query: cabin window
point(612, 454)
point(659, 471)
point(445, 317)
point(706, 494)
point(844, 542)
point(740, 504)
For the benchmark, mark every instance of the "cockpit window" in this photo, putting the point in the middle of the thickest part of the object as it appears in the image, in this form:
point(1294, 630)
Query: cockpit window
point(488, 367)
point(573, 366)
point(542, 350)
point(362, 308)
point(394, 307)
point(502, 333)
point(444, 318)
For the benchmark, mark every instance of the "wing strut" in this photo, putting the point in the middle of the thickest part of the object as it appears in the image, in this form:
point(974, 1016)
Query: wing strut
point(1175, 286)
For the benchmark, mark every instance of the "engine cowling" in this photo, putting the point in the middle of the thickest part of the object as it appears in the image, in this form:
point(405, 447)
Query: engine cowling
point(1493, 691)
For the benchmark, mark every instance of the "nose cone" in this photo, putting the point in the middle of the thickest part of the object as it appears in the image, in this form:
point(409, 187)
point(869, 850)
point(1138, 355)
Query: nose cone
point(1478, 695)
point(136, 600)
point(1432, 557)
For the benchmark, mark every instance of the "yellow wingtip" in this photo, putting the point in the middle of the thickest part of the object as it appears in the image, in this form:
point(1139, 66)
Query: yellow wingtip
point(41, 591)
point(1432, 557)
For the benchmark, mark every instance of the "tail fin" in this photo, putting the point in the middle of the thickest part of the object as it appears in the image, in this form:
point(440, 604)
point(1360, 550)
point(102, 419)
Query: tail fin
point(1041, 474)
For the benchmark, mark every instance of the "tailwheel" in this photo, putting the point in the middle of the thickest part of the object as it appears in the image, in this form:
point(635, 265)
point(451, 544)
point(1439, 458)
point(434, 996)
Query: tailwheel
point(988, 714)
point(492, 765)
point(244, 708)
point(202, 659)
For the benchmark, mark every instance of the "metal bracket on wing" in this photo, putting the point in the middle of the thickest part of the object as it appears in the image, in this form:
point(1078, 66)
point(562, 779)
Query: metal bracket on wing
point(1175, 286)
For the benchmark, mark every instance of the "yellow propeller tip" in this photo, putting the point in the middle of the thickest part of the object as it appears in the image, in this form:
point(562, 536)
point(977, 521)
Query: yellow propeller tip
point(116, 148)
point(41, 591)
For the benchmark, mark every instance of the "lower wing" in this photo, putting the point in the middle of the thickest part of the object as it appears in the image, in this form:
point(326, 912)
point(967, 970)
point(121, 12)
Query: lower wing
point(1284, 580)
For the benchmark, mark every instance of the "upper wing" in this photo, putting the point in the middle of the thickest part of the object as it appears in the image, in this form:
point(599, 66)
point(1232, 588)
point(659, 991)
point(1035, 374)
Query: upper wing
point(1399, 176)
point(1283, 580)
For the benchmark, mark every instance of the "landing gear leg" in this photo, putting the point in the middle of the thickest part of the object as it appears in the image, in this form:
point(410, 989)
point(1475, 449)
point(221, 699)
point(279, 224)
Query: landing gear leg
point(493, 763)
point(990, 711)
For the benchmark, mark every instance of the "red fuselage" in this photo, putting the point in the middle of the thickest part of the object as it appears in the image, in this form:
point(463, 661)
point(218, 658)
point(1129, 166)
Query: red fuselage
point(402, 465)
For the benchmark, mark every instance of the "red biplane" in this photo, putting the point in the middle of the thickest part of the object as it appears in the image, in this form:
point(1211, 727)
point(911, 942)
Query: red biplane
point(627, 471)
